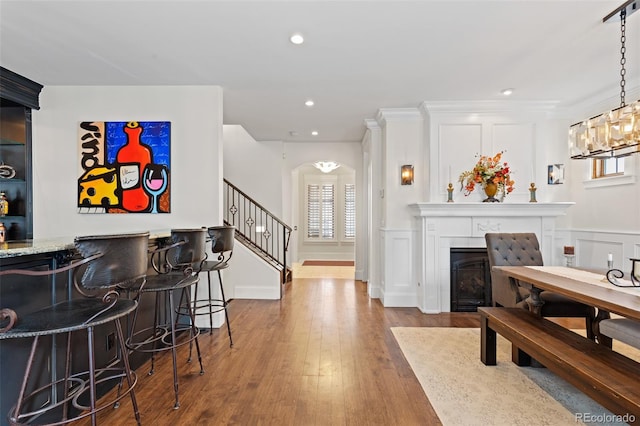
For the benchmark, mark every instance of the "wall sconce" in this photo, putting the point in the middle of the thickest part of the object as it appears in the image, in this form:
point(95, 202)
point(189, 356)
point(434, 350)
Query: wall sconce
point(406, 174)
point(555, 175)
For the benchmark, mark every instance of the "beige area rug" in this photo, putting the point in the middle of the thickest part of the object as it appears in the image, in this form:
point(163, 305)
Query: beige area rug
point(302, 271)
point(463, 391)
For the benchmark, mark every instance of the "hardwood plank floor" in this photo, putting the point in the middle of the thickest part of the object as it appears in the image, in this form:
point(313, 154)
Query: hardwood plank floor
point(323, 355)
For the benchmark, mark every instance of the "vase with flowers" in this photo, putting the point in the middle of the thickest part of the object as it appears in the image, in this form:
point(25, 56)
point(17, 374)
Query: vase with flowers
point(493, 175)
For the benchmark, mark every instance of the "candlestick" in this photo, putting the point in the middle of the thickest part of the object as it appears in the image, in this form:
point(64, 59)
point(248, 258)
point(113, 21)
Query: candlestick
point(450, 194)
point(610, 261)
point(532, 190)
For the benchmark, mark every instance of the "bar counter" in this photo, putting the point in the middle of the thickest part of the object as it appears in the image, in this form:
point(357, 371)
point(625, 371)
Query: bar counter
point(33, 247)
point(18, 248)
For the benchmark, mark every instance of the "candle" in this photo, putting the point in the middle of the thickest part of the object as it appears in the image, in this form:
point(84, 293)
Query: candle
point(533, 174)
point(610, 257)
point(449, 174)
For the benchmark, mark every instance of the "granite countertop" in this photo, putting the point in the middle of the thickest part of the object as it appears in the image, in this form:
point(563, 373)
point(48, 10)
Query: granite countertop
point(28, 247)
point(38, 246)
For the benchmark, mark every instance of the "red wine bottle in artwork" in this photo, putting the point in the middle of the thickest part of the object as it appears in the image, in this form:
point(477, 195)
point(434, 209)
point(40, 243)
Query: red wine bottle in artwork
point(132, 158)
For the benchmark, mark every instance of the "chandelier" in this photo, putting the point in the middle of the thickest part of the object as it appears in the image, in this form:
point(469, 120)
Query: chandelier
point(326, 166)
point(615, 133)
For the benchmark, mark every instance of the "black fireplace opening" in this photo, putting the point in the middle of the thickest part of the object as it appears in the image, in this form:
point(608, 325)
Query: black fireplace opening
point(470, 279)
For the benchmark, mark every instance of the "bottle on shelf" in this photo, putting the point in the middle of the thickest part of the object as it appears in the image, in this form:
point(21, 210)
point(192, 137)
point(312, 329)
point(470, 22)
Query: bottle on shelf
point(17, 205)
point(13, 233)
point(3, 233)
point(4, 204)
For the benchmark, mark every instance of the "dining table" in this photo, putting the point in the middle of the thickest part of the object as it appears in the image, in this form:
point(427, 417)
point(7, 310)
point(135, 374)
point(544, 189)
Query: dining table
point(586, 286)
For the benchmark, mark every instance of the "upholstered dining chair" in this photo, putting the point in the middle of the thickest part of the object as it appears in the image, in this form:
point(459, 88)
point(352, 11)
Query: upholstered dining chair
point(523, 249)
point(106, 264)
point(626, 330)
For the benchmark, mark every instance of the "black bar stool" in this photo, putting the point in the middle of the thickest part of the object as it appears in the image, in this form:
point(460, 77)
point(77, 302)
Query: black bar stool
point(108, 263)
point(222, 239)
point(177, 265)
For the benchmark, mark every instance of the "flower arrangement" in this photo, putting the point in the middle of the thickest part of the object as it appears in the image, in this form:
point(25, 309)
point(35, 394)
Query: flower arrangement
point(488, 170)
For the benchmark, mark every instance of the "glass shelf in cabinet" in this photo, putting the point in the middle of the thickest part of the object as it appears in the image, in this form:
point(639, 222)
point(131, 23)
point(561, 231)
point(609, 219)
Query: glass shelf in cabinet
point(10, 142)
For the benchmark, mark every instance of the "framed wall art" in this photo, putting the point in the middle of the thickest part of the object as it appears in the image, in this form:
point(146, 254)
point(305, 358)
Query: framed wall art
point(124, 167)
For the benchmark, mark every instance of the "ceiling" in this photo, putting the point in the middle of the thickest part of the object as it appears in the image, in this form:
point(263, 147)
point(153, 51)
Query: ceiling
point(358, 56)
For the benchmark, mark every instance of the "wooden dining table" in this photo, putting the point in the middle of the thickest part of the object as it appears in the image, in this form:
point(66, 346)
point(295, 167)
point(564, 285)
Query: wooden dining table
point(588, 287)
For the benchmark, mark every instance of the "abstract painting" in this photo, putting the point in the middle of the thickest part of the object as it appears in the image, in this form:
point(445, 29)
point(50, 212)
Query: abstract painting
point(125, 167)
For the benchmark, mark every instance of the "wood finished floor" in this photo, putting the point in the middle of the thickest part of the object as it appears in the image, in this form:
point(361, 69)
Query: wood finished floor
point(323, 355)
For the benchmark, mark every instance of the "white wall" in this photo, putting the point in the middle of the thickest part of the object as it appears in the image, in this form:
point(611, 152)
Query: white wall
point(460, 132)
point(403, 143)
point(256, 168)
point(195, 114)
point(372, 151)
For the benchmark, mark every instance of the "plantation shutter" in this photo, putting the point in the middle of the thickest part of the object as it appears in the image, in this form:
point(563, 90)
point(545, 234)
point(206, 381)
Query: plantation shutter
point(328, 213)
point(350, 211)
point(313, 211)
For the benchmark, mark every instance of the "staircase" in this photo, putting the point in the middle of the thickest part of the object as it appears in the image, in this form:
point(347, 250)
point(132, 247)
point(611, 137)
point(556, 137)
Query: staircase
point(258, 229)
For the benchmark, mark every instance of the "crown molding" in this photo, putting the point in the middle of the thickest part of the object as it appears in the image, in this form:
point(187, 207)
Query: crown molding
point(371, 123)
point(397, 114)
point(487, 107)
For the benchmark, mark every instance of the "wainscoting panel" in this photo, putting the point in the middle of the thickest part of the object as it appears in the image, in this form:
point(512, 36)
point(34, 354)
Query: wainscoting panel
point(399, 281)
point(592, 247)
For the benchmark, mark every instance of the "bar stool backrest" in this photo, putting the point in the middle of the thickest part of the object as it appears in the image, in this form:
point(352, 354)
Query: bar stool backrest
point(190, 254)
point(123, 263)
point(222, 238)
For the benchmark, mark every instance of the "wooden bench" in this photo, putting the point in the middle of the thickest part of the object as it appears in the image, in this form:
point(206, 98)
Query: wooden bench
point(604, 375)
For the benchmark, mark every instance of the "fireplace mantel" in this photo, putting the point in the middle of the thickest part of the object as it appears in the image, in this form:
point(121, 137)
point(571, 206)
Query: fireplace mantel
point(490, 209)
point(441, 226)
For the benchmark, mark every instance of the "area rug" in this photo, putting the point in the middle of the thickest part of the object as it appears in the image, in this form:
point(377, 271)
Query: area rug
point(463, 391)
point(328, 263)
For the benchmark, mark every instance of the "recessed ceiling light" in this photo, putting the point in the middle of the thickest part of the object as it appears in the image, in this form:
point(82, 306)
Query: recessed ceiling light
point(507, 92)
point(297, 38)
point(309, 103)
point(314, 133)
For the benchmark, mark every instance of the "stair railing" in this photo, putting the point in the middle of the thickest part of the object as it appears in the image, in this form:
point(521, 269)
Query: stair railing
point(257, 227)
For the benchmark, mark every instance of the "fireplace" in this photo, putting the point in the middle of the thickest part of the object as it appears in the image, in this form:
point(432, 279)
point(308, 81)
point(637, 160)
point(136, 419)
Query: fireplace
point(470, 279)
point(442, 226)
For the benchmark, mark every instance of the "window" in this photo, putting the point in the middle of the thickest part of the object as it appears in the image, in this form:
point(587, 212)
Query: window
point(321, 211)
point(330, 212)
point(607, 167)
point(349, 211)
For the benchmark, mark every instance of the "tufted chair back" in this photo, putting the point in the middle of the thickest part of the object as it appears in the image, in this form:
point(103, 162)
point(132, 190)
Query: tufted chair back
point(510, 249)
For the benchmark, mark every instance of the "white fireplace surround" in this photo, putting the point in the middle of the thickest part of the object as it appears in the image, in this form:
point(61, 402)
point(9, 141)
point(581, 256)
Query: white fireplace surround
point(441, 226)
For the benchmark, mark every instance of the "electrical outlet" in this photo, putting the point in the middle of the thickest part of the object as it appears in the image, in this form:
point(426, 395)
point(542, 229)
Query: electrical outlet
point(111, 341)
